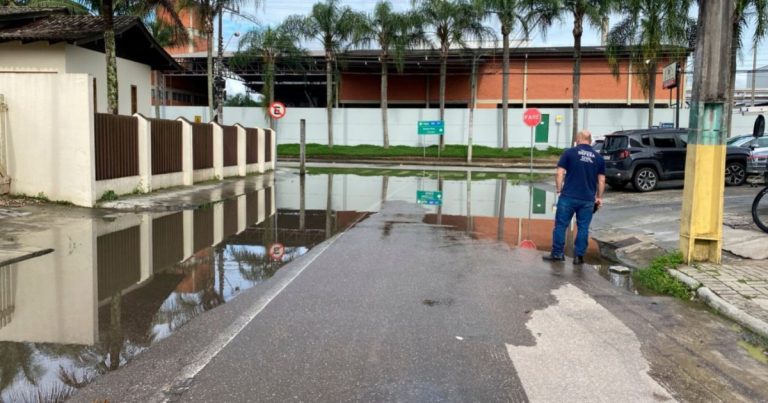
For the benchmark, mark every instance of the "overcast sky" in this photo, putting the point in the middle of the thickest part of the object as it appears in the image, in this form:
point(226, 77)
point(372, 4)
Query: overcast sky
point(273, 12)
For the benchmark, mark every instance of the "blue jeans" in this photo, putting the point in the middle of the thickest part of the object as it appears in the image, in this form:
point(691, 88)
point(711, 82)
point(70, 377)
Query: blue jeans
point(566, 208)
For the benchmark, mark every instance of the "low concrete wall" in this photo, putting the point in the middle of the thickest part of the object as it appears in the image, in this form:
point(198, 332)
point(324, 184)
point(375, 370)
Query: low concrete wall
point(353, 126)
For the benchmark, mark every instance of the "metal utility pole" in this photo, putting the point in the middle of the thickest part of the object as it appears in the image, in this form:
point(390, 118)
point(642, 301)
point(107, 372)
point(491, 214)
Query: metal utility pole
point(754, 72)
point(701, 221)
point(219, 80)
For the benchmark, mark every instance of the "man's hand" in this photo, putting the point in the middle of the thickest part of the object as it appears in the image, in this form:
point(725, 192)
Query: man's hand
point(599, 201)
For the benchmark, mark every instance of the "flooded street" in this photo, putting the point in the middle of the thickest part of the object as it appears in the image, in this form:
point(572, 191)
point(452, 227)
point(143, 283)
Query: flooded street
point(421, 270)
point(124, 282)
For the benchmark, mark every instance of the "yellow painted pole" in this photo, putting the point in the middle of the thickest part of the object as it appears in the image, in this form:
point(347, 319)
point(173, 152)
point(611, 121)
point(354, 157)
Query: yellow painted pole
point(701, 221)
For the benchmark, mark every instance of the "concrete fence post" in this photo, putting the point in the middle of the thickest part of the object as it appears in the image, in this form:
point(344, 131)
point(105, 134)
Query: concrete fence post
point(218, 151)
point(145, 153)
point(145, 245)
point(262, 150)
point(241, 144)
point(273, 143)
point(187, 156)
point(189, 233)
point(302, 146)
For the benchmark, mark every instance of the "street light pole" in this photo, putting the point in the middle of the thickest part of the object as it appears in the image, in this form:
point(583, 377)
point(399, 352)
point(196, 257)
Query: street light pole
point(219, 80)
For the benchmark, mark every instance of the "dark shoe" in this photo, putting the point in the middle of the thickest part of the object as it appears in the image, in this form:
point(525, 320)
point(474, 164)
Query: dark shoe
point(553, 258)
point(578, 260)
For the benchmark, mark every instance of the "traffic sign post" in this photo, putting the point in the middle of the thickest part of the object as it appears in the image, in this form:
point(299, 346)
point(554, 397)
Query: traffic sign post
point(277, 110)
point(276, 251)
point(430, 128)
point(429, 197)
point(531, 118)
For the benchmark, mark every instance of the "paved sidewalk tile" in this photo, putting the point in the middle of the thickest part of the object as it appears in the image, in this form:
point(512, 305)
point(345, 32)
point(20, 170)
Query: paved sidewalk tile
point(742, 285)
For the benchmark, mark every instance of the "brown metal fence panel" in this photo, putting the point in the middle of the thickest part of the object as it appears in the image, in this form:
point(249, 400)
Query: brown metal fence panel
point(202, 145)
point(166, 146)
point(230, 146)
point(203, 223)
point(117, 146)
point(268, 145)
point(251, 146)
point(230, 217)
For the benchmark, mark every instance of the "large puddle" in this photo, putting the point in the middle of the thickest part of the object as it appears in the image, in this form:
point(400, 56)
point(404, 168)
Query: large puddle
point(114, 286)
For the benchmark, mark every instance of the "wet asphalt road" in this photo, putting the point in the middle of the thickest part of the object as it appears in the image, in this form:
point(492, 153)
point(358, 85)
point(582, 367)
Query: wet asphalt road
point(398, 310)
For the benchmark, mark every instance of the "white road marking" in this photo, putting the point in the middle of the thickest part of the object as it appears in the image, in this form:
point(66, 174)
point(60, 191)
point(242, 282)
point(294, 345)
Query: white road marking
point(204, 358)
point(583, 353)
point(184, 378)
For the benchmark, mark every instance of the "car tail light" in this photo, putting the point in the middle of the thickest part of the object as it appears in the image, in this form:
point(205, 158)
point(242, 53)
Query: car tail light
point(623, 154)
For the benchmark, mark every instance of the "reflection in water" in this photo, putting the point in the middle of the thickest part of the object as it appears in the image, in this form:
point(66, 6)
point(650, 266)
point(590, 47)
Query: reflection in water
point(113, 288)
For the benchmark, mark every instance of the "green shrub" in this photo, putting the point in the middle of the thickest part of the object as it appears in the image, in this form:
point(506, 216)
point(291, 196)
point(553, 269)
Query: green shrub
point(109, 195)
point(656, 278)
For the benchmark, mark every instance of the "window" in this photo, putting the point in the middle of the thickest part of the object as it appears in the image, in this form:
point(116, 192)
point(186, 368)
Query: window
point(762, 142)
point(684, 139)
point(95, 98)
point(134, 100)
point(664, 141)
point(646, 141)
point(634, 143)
point(614, 143)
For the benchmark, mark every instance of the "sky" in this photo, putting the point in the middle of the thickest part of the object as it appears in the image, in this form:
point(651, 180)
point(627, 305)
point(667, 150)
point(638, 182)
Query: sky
point(273, 12)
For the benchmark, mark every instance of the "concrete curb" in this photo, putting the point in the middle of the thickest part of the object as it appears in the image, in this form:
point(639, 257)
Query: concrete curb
point(730, 311)
point(725, 308)
point(445, 162)
point(692, 283)
point(713, 300)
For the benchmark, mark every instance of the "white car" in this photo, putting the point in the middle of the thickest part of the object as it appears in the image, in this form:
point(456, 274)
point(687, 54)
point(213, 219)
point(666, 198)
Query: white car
point(756, 162)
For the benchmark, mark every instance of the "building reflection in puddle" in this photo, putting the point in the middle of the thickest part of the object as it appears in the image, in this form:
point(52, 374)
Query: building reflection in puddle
point(113, 287)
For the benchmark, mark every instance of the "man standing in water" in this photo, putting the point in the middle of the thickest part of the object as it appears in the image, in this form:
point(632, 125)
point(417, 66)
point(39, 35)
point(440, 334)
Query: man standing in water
point(580, 183)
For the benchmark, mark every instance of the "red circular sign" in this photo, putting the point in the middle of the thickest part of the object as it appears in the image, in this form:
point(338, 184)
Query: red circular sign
point(277, 110)
point(527, 244)
point(531, 117)
point(276, 251)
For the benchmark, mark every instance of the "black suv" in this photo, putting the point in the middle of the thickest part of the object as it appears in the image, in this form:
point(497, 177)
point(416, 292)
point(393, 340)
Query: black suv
point(644, 157)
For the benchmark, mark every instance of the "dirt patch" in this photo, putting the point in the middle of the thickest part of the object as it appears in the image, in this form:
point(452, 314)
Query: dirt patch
point(10, 201)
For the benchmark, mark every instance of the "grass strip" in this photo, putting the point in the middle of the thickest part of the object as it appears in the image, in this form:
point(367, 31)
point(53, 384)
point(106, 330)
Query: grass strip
point(431, 174)
point(656, 278)
point(451, 151)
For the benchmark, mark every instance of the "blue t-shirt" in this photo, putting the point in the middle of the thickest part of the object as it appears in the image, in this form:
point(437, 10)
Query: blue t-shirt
point(582, 165)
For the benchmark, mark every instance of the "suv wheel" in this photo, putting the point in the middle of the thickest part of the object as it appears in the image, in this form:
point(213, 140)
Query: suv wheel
point(735, 173)
point(645, 179)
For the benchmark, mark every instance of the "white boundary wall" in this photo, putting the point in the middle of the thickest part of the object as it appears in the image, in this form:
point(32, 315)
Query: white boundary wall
point(50, 135)
point(353, 126)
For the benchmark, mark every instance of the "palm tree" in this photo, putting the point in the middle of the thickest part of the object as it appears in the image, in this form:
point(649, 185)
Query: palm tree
point(333, 26)
point(510, 13)
point(595, 11)
point(651, 31)
point(270, 46)
point(206, 12)
point(395, 33)
point(453, 22)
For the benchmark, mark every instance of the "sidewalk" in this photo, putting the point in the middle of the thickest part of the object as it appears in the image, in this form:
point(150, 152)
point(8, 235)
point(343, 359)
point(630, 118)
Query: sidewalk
point(519, 163)
point(737, 288)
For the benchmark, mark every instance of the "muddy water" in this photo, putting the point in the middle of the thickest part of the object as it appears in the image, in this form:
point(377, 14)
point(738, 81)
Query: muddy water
point(114, 286)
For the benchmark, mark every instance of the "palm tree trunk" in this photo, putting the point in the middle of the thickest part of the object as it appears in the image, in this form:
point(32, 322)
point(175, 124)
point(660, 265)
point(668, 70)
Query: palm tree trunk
point(209, 36)
point(505, 90)
point(329, 98)
point(728, 110)
point(443, 73)
point(651, 91)
point(578, 29)
point(270, 81)
point(384, 120)
point(110, 52)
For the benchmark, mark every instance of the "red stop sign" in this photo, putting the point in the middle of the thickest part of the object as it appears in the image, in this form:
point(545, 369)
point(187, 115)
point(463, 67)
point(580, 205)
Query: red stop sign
point(531, 117)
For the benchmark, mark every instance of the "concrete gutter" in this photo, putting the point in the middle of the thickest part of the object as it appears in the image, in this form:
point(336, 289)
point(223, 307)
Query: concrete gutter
point(645, 251)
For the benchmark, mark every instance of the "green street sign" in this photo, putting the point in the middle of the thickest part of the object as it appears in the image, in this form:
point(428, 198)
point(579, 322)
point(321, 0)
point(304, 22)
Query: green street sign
point(429, 197)
point(431, 127)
